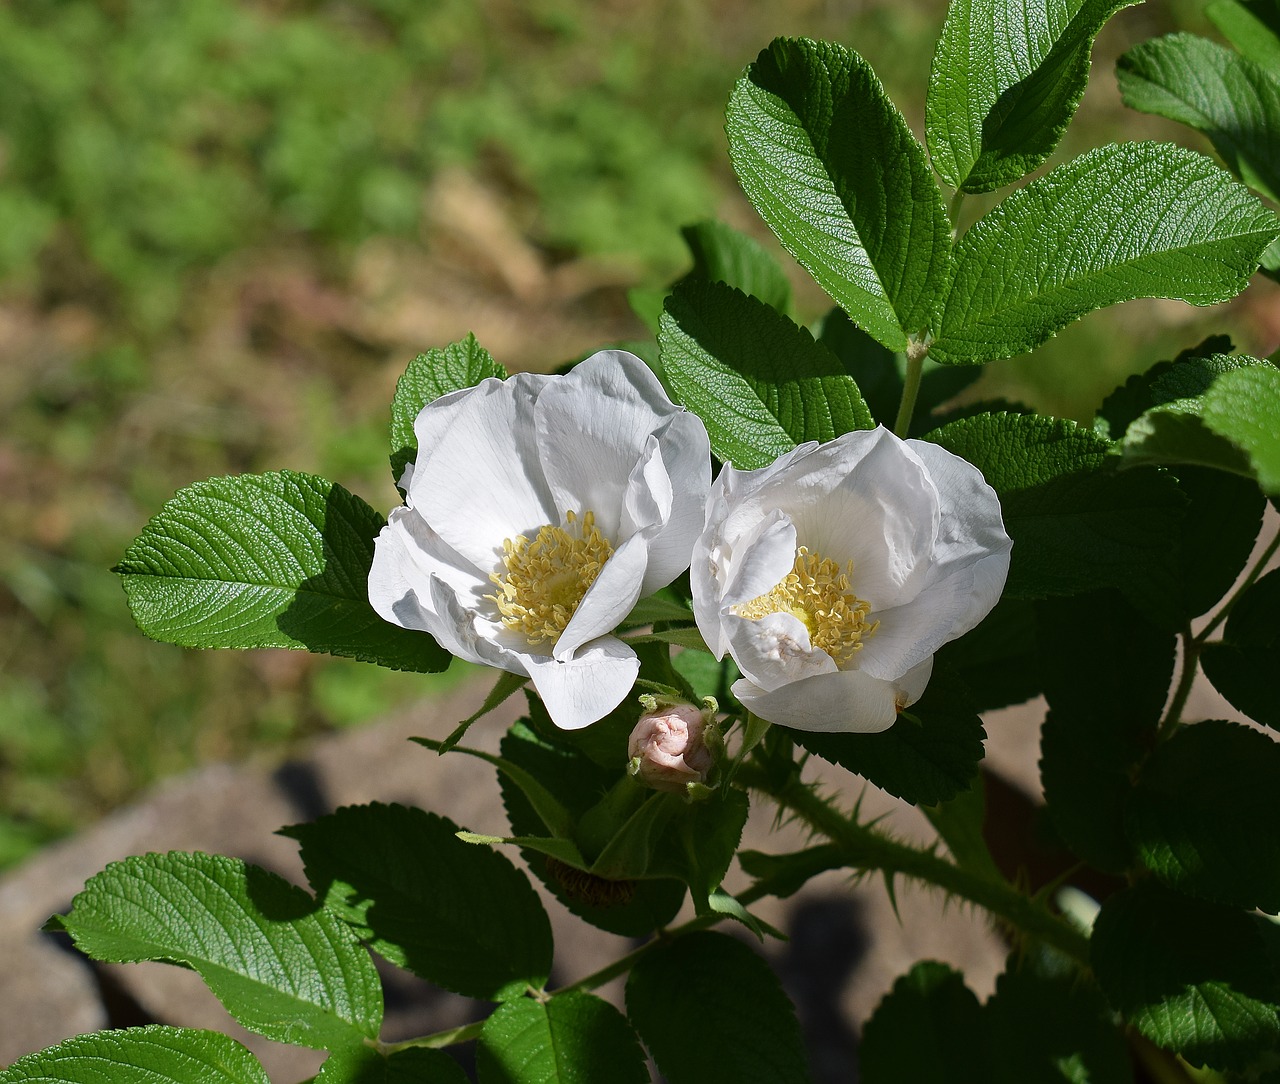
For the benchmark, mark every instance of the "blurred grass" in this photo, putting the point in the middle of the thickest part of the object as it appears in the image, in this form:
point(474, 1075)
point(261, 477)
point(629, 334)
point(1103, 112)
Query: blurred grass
point(226, 225)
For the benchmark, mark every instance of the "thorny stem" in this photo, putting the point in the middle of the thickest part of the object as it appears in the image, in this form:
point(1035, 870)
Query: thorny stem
point(866, 849)
point(916, 352)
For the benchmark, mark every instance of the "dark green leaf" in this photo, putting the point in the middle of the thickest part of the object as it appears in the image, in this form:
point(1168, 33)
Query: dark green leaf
point(571, 1039)
point(267, 560)
point(429, 376)
point(1190, 373)
point(1252, 26)
point(760, 383)
point(1077, 522)
point(282, 966)
point(997, 659)
point(1197, 978)
point(1005, 82)
point(150, 1055)
point(413, 1066)
point(805, 124)
point(786, 874)
point(1233, 101)
point(1203, 815)
point(927, 1028)
point(1221, 525)
point(1122, 221)
point(1106, 675)
point(1244, 407)
point(459, 915)
point(723, 254)
point(1054, 1026)
point(707, 984)
point(874, 368)
point(629, 908)
point(929, 755)
point(1243, 666)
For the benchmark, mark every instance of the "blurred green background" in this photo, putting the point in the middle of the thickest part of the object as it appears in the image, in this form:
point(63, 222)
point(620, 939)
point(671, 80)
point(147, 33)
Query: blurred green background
point(226, 226)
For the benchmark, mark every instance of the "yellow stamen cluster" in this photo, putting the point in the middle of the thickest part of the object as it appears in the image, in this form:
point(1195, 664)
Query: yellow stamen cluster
point(545, 577)
point(817, 593)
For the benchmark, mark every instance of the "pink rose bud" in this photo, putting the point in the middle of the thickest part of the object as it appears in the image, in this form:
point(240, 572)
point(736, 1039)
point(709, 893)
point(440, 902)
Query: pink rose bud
point(667, 749)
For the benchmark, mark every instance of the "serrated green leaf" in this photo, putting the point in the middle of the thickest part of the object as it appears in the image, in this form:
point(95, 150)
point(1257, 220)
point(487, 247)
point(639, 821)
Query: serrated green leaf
point(1006, 79)
point(1242, 666)
point(1047, 1025)
point(267, 560)
point(429, 376)
point(804, 123)
point(874, 368)
point(1202, 816)
point(571, 1039)
point(1233, 101)
point(147, 1055)
point(1122, 221)
point(760, 383)
point(928, 1027)
point(1077, 522)
point(996, 659)
point(1252, 26)
point(1190, 373)
point(1105, 690)
point(413, 1066)
point(1197, 978)
point(929, 755)
point(280, 965)
point(1244, 407)
point(460, 916)
point(723, 254)
point(676, 997)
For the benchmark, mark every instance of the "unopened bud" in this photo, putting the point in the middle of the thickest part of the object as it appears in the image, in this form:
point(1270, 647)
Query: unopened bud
point(668, 748)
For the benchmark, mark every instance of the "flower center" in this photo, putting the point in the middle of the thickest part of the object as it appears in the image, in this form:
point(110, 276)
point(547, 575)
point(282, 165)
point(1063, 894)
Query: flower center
point(545, 577)
point(816, 592)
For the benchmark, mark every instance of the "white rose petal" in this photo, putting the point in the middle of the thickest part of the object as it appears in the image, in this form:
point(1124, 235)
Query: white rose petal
point(833, 575)
point(538, 511)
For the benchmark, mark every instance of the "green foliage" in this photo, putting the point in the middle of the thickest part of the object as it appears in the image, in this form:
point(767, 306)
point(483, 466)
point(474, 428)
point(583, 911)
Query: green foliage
point(929, 755)
point(675, 1001)
point(271, 560)
point(801, 123)
point(1097, 732)
point(928, 1027)
point(148, 1055)
point(760, 383)
point(429, 376)
point(413, 1066)
point(1122, 221)
point(282, 968)
point(1242, 664)
point(460, 916)
point(1077, 522)
point(722, 254)
point(1197, 978)
point(572, 1037)
point(993, 121)
point(1201, 815)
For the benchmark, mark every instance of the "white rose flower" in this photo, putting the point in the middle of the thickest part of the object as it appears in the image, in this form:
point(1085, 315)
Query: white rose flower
point(834, 574)
point(538, 511)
